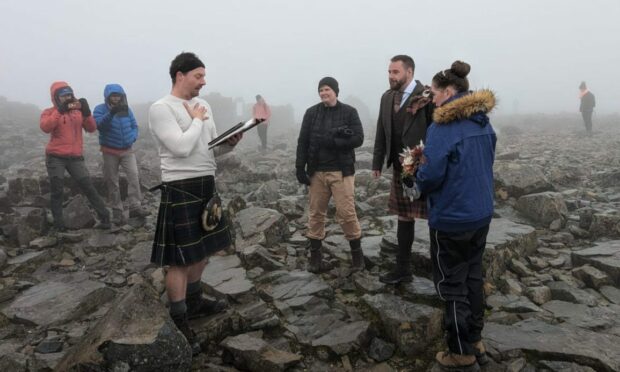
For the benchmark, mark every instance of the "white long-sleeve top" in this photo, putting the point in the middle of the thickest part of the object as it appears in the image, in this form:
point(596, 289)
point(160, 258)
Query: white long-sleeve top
point(182, 142)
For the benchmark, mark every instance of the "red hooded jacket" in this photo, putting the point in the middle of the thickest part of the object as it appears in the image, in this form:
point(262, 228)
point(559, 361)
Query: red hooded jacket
point(65, 129)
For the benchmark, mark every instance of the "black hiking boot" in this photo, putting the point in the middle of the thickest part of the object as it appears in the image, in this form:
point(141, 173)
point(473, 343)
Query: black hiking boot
point(199, 306)
point(182, 324)
point(357, 256)
point(316, 264)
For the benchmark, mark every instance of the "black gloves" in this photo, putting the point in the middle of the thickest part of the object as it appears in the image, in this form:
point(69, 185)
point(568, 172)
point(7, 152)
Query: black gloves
point(326, 140)
point(63, 108)
point(302, 176)
point(120, 109)
point(84, 107)
point(343, 131)
point(409, 181)
point(114, 109)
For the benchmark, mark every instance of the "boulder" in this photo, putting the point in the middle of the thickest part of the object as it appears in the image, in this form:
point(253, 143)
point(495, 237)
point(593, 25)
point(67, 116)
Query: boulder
point(519, 179)
point(583, 316)
point(224, 276)
point(605, 224)
point(136, 334)
point(547, 341)
point(563, 291)
point(539, 295)
point(257, 256)
point(251, 353)
point(3, 258)
point(260, 226)
point(380, 350)
point(346, 338)
point(543, 208)
point(591, 276)
point(77, 214)
point(412, 327)
point(604, 256)
point(59, 300)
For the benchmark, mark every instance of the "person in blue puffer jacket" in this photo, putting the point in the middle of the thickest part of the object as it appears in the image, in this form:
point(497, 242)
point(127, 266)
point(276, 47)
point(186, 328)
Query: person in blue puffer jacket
point(118, 130)
point(457, 177)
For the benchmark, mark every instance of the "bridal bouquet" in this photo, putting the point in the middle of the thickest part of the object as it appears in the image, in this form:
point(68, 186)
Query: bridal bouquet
point(411, 160)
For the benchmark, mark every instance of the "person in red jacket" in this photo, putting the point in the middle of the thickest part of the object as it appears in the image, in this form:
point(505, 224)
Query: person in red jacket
point(64, 122)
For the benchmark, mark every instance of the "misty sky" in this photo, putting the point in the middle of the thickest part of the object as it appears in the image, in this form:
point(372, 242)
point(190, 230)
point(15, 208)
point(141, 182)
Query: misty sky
point(532, 53)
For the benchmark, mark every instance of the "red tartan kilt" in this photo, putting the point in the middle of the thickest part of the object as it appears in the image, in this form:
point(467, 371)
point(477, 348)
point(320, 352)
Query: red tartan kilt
point(401, 205)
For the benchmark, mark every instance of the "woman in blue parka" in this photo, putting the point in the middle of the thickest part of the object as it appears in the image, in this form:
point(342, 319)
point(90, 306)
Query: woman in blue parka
point(457, 177)
point(118, 130)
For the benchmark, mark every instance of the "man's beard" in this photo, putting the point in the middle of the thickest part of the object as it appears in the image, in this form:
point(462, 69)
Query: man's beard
point(398, 84)
point(196, 91)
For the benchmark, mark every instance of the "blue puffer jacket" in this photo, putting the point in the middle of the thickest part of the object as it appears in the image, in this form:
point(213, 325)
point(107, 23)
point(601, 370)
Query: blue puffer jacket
point(118, 131)
point(458, 174)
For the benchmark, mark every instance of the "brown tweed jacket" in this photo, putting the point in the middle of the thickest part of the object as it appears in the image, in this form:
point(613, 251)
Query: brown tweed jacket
point(414, 129)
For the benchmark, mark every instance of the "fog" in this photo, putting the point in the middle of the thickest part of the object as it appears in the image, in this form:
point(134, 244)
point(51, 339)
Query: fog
point(533, 54)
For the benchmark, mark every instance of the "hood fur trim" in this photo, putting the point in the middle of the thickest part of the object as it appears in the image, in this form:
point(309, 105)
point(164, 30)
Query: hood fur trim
point(481, 101)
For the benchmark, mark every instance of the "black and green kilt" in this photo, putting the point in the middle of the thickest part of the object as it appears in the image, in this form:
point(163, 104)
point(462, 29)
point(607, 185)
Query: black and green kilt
point(400, 205)
point(180, 239)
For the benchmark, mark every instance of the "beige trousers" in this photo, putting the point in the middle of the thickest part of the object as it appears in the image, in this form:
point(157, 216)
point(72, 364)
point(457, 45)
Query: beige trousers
point(324, 185)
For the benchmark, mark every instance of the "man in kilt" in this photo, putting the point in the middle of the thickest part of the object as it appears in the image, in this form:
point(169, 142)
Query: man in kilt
point(182, 126)
point(404, 115)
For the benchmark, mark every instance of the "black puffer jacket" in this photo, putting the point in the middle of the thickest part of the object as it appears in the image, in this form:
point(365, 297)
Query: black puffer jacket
point(336, 129)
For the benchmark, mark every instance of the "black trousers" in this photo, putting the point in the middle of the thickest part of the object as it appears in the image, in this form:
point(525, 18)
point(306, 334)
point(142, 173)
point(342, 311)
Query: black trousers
point(587, 120)
point(262, 134)
point(457, 274)
point(56, 166)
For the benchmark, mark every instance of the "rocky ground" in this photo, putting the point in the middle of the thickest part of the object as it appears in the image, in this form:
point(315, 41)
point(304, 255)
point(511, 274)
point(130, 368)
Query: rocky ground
point(89, 300)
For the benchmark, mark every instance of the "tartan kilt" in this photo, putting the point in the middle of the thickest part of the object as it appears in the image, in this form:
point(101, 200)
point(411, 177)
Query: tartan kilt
point(401, 205)
point(180, 239)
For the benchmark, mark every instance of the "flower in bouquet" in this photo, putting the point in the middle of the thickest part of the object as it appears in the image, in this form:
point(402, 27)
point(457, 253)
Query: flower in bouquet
point(411, 160)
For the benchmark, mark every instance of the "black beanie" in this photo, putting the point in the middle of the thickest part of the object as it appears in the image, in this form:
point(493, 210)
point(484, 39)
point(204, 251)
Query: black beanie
point(330, 82)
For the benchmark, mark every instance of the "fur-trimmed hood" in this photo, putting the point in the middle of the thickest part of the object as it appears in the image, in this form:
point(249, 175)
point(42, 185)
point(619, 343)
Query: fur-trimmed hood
point(473, 106)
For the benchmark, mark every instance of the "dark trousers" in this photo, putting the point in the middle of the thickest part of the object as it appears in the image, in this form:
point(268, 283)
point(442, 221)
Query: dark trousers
point(457, 273)
point(262, 134)
point(587, 120)
point(77, 170)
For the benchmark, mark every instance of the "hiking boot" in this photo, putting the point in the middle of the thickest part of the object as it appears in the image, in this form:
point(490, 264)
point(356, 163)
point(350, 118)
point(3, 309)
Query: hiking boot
point(199, 306)
point(139, 212)
point(457, 362)
point(396, 276)
point(481, 353)
point(118, 218)
point(182, 324)
point(104, 221)
point(357, 256)
point(56, 229)
point(103, 225)
point(402, 270)
point(317, 265)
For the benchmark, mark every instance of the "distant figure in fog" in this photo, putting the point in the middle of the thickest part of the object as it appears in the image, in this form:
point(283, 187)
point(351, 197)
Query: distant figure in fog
point(586, 107)
point(261, 110)
point(118, 130)
point(64, 121)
